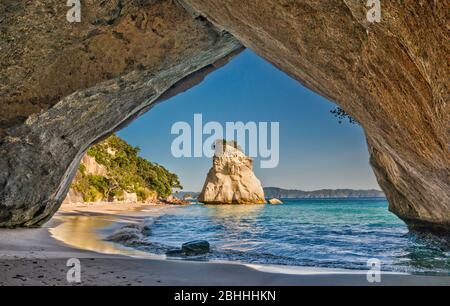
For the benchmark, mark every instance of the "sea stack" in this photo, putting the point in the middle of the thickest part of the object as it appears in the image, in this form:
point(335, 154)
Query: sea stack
point(231, 179)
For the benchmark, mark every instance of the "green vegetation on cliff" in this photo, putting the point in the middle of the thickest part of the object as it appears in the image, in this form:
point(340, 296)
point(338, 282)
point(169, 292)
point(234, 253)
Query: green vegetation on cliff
point(126, 172)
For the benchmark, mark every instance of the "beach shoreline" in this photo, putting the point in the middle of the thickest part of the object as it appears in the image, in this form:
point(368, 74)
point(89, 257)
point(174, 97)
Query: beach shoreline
point(39, 257)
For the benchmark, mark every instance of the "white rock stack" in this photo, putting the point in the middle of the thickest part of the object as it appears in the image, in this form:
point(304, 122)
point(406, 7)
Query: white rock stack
point(231, 179)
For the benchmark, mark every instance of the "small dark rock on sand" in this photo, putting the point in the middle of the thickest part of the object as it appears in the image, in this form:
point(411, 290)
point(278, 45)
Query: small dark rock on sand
point(195, 247)
point(191, 248)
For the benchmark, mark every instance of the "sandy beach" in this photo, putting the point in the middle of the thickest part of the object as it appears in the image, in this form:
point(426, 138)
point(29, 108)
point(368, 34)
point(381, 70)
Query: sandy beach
point(39, 256)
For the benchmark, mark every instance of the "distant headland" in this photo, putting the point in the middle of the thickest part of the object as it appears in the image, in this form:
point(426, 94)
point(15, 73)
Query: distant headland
point(276, 192)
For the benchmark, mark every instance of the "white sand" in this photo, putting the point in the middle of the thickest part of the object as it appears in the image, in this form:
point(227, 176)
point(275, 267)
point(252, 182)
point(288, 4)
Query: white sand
point(34, 257)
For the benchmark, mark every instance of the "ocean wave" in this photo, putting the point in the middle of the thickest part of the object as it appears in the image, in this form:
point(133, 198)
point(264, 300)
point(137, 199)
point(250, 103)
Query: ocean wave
point(287, 238)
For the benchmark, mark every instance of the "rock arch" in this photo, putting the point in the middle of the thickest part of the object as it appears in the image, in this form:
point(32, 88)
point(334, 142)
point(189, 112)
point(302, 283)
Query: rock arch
point(65, 86)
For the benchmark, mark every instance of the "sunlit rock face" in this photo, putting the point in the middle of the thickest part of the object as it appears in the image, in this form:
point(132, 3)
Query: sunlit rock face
point(65, 86)
point(231, 179)
point(391, 76)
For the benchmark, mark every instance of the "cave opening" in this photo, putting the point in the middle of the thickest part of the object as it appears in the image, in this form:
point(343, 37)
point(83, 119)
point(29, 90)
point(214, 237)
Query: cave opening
point(316, 150)
point(331, 197)
point(322, 159)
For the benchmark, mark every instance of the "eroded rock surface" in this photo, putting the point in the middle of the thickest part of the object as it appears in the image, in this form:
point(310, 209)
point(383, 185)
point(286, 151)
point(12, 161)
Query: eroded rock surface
point(392, 77)
point(231, 179)
point(64, 86)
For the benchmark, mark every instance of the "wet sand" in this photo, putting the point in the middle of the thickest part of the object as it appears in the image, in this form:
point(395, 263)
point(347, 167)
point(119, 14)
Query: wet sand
point(35, 257)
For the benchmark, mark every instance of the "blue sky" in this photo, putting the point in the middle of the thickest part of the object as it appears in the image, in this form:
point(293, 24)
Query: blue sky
point(315, 150)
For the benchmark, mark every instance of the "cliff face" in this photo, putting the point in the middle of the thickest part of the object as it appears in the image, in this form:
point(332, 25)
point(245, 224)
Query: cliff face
point(231, 180)
point(92, 167)
point(64, 86)
point(392, 77)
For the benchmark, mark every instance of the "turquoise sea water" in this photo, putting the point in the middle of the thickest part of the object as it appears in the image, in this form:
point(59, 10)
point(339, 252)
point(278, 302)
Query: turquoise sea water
point(333, 233)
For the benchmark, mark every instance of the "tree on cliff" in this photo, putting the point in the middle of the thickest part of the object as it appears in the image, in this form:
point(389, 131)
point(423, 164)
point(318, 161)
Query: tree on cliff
point(126, 172)
point(342, 115)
